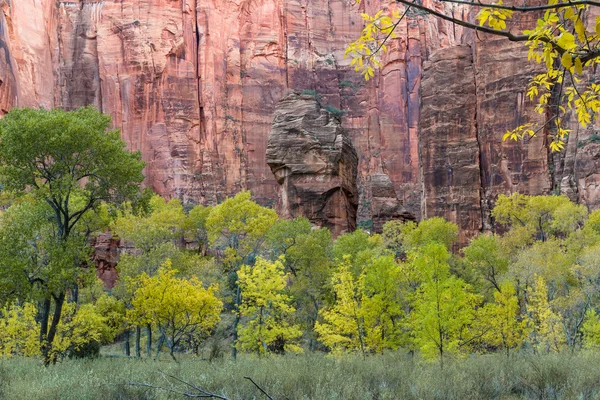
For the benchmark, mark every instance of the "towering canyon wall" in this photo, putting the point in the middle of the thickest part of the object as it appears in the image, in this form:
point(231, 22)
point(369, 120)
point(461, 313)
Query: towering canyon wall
point(194, 84)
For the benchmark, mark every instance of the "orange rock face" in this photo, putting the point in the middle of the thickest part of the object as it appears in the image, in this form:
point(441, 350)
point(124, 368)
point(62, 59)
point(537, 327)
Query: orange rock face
point(107, 251)
point(194, 86)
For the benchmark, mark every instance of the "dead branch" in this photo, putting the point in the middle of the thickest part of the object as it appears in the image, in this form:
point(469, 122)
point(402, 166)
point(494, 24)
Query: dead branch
point(259, 388)
point(192, 390)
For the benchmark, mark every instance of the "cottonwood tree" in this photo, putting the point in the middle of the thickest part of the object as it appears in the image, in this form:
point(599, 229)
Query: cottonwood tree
point(559, 37)
point(547, 328)
point(80, 333)
point(156, 232)
point(443, 306)
point(267, 310)
point(502, 323)
point(311, 264)
point(178, 307)
point(195, 227)
point(402, 237)
point(18, 331)
point(342, 328)
point(591, 330)
point(237, 229)
point(487, 262)
point(367, 313)
point(72, 162)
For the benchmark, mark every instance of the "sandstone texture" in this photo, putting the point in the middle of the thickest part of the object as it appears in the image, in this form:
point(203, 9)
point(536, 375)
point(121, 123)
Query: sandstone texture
point(314, 161)
point(107, 251)
point(195, 84)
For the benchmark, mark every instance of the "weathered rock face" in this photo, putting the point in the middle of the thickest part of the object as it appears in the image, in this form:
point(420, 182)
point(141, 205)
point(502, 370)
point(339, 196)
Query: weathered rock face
point(448, 139)
point(194, 85)
point(315, 164)
point(107, 250)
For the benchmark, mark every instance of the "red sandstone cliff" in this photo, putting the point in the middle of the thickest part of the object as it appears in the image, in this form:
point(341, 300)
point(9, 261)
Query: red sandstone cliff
point(194, 85)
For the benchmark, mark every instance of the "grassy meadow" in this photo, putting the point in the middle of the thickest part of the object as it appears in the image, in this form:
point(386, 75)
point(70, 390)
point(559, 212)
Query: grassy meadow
point(310, 376)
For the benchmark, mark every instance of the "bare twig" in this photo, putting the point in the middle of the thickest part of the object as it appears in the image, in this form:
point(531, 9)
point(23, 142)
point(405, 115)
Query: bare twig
point(259, 388)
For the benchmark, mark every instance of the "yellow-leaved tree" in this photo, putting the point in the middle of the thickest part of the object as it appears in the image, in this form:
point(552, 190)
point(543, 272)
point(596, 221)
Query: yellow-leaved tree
point(343, 327)
point(81, 332)
point(444, 305)
point(591, 330)
point(560, 36)
point(237, 229)
point(367, 313)
point(267, 310)
point(19, 331)
point(177, 307)
point(503, 326)
point(547, 329)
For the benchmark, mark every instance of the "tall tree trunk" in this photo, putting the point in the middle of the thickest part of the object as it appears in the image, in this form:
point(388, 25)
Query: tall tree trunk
point(159, 346)
point(149, 340)
point(138, 334)
point(44, 320)
point(49, 357)
point(236, 322)
point(127, 342)
point(75, 294)
point(171, 344)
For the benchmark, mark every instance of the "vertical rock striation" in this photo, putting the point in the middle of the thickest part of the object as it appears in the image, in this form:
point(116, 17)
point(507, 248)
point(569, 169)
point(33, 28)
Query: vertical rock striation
point(448, 140)
point(194, 85)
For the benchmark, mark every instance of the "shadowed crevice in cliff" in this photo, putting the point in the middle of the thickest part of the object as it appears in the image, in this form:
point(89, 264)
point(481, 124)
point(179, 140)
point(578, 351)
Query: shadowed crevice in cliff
point(315, 164)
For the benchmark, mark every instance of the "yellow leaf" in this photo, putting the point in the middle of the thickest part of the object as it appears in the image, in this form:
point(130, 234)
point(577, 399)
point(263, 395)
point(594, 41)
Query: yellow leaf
point(566, 41)
point(580, 29)
point(566, 60)
point(483, 16)
point(578, 66)
point(569, 13)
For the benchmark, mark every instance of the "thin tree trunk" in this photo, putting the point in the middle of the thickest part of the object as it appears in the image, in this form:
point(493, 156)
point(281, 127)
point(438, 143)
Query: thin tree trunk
point(138, 334)
point(171, 344)
point(236, 322)
point(161, 341)
point(127, 342)
point(47, 347)
point(149, 340)
point(75, 294)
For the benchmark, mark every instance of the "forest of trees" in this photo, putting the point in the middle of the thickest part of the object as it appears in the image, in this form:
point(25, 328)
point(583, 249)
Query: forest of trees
point(258, 284)
point(237, 275)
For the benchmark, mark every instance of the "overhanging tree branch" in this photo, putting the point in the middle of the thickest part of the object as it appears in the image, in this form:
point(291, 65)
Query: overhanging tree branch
point(525, 8)
point(509, 35)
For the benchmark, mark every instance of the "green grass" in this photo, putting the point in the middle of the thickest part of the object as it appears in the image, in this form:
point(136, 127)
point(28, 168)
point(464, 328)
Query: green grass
point(313, 376)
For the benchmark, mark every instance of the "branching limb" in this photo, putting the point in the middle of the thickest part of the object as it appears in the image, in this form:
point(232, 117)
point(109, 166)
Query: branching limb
point(192, 390)
point(509, 35)
point(526, 8)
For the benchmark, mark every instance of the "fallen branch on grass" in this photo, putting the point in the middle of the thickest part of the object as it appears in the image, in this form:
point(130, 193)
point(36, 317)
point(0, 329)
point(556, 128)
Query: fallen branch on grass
point(191, 390)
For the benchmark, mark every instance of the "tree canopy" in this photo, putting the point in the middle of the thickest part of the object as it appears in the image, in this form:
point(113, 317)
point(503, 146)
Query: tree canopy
point(61, 165)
